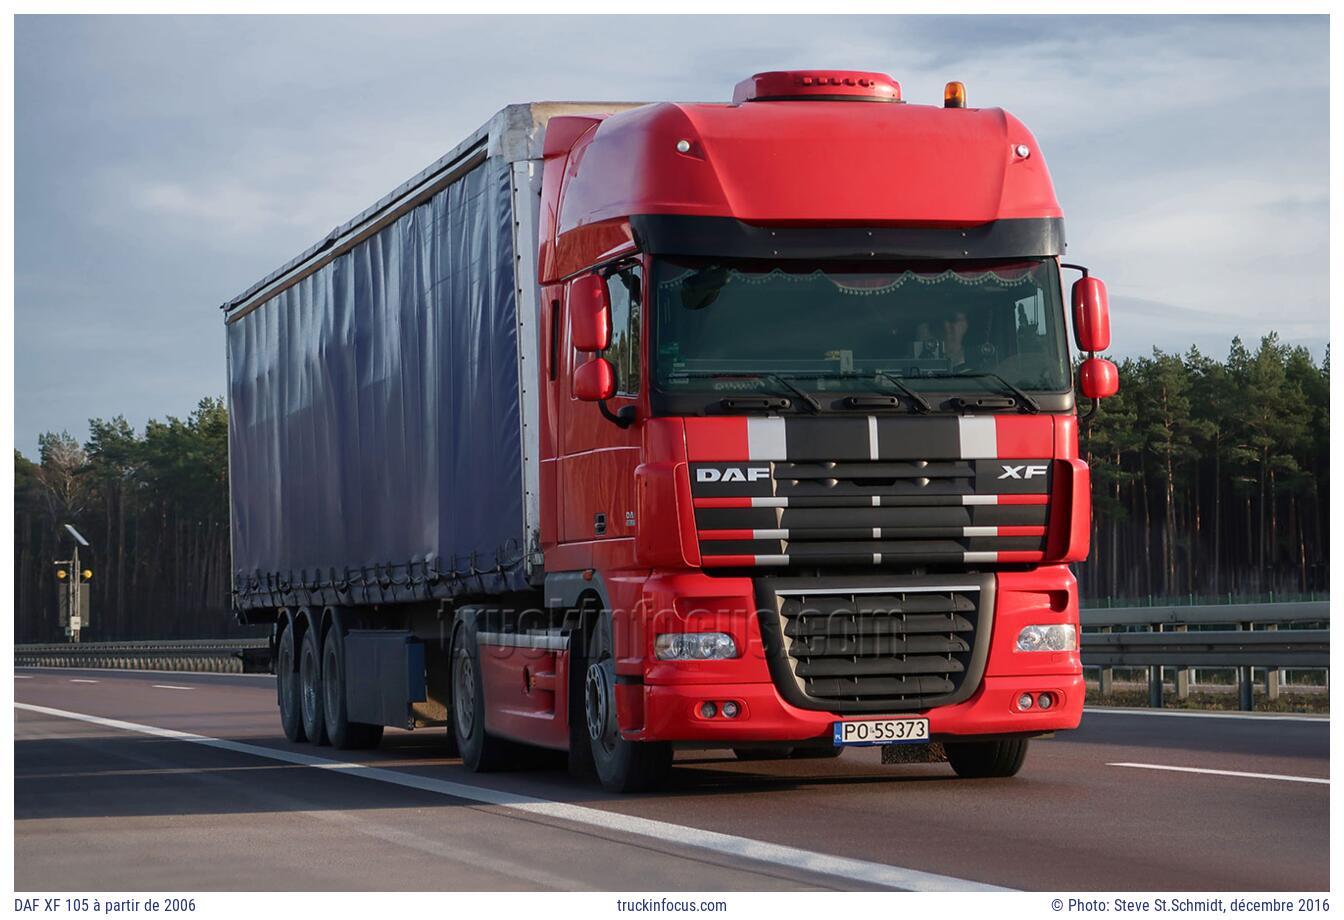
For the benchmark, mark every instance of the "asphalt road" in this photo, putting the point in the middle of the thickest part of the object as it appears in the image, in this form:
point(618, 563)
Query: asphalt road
point(235, 806)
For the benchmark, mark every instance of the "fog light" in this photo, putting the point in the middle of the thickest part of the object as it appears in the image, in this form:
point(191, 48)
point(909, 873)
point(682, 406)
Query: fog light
point(1024, 702)
point(694, 646)
point(708, 710)
point(1045, 701)
point(730, 710)
point(1056, 637)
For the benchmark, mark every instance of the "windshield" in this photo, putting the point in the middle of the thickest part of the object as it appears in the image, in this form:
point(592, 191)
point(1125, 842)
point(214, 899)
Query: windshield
point(850, 327)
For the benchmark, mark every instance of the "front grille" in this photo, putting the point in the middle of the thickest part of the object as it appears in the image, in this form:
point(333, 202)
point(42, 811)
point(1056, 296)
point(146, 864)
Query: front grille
point(870, 512)
point(873, 648)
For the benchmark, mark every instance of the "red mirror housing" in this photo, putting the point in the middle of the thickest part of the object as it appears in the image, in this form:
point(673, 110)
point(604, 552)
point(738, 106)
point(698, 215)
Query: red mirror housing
point(1091, 315)
point(1098, 378)
point(595, 380)
point(589, 313)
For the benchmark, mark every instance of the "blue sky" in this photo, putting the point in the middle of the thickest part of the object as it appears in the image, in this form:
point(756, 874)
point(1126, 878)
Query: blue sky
point(162, 164)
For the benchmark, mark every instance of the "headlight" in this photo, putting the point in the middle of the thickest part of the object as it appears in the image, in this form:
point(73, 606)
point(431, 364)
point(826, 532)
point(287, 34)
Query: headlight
point(1058, 637)
point(694, 646)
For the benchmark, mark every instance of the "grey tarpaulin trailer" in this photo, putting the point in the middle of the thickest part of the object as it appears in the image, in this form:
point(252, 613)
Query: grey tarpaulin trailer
point(382, 400)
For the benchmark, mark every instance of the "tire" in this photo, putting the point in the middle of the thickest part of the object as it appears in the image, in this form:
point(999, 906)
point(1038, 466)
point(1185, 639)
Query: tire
point(310, 688)
point(621, 765)
point(344, 734)
point(481, 752)
point(287, 688)
point(757, 754)
point(983, 759)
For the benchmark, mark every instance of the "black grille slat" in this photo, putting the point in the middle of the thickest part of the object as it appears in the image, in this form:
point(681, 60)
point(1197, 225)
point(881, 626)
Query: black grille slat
point(858, 472)
point(877, 605)
point(884, 687)
point(877, 626)
point(820, 646)
point(877, 666)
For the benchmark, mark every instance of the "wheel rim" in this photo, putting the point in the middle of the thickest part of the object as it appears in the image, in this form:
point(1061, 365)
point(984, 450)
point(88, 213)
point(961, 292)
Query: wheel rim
point(464, 696)
point(308, 685)
point(285, 677)
point(331, 688)
point(598, 705)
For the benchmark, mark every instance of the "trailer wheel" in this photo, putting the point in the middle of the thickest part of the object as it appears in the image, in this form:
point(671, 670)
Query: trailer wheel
point(343, 733)
point(622, 766)
point(481, 752)
point(981, 759)
point(287, 688)
point(310, 688)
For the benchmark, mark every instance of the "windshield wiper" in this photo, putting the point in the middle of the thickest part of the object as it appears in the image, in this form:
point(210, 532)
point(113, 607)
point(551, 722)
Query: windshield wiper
point(914, 397)
point(808, 399)
point(1023, 396)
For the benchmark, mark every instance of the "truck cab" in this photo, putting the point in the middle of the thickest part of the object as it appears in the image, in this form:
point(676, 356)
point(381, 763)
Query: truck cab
point(808, 431)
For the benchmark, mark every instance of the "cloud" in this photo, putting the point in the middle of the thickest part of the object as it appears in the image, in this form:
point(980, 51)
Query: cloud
point(164, 163)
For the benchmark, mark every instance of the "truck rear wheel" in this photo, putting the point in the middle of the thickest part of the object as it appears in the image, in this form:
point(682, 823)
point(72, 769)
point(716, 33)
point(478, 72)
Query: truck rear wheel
point(982, 759)
point(310, 688)
point(621, 765)
point(287, 687)
point(481, 752)
point(343, 733)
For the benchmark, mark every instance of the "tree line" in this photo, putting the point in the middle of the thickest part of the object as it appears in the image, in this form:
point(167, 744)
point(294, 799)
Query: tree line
point(1208, 477)
point(1211, 477)
point(154, 506)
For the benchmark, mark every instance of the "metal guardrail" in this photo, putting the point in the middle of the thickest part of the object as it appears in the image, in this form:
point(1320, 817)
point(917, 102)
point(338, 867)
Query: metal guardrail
point(1169, 641)
point(225, 656)
point(1288, 648)
point(1208, 614)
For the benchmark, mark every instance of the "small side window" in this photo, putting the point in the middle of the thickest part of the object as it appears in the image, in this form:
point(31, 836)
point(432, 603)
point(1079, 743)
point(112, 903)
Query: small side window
point(624, 287)
point(554, 357)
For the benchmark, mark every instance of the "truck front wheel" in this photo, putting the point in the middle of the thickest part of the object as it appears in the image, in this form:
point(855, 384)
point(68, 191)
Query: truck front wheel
point(287, 687)
point(984, 759)
point(622, 766)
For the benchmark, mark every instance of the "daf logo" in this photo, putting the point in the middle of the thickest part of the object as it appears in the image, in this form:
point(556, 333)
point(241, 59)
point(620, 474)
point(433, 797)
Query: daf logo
point(1022, 472)
point(733, 474)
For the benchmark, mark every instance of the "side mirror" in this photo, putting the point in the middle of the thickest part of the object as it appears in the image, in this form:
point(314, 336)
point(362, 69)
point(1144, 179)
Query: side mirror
point(1098, 378)
point(589, 313)
point(595, 380)
point(1091, 315)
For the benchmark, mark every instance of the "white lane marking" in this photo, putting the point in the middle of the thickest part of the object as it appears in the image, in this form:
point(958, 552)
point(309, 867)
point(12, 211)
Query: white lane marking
point(23, 677)
point(170, 687)
point(872, 437)
point(82, 680)
point(1279, 776)
point(1193, 714)
point(726, 844)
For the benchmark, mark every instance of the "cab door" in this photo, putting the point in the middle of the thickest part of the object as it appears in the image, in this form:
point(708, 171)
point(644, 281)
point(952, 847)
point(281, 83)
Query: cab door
point(596, 476)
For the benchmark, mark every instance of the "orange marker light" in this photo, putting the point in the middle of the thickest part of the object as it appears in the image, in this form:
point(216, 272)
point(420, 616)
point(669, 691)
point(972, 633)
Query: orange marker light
point(954, 95)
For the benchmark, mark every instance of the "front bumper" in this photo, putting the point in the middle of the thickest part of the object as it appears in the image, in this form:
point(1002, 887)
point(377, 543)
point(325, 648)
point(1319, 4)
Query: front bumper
point(672, 713)
point(664, 702)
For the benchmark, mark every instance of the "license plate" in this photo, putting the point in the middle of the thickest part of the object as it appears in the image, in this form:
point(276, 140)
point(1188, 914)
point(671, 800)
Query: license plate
point(882, 731)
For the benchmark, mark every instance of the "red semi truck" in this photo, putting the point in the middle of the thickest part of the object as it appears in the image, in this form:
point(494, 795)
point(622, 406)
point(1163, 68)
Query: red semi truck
point(628, 427)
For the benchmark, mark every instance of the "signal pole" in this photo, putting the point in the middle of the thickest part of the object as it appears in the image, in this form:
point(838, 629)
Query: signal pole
point(73, 615)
